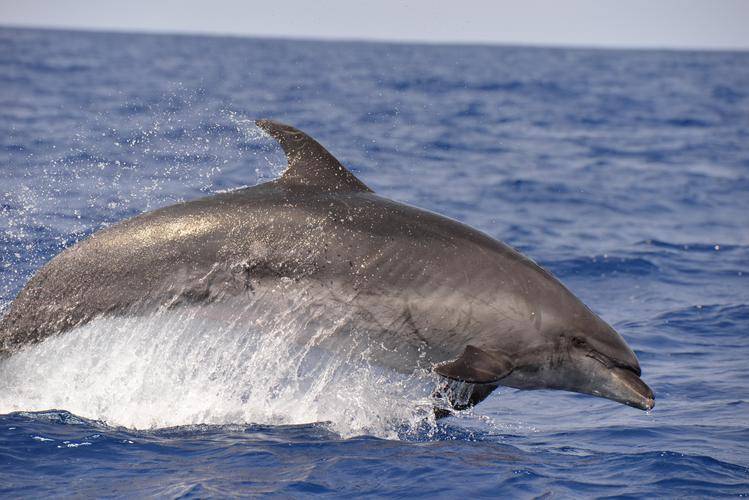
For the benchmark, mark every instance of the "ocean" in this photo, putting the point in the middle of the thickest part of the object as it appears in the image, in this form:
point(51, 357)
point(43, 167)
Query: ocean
point(624, 173)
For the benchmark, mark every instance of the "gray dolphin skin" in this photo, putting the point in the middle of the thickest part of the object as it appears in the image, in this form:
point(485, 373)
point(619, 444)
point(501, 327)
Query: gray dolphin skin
point(429, 292)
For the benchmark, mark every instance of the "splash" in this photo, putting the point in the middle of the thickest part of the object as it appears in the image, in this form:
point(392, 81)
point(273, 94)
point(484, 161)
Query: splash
point(136, 158)
point(267, 362)
point(262, 144)
point(210, 364)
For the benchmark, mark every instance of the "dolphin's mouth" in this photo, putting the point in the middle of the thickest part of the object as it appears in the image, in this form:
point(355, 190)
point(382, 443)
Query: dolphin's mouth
point(622, 382)
point(628, 388)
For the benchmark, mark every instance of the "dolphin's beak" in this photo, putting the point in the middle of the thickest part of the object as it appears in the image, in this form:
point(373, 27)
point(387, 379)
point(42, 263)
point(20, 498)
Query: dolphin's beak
point(626, 387)
point(597, 376)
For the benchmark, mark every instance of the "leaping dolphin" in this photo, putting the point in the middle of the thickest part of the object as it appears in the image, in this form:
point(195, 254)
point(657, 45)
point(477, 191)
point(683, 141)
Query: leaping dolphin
point(430, 292)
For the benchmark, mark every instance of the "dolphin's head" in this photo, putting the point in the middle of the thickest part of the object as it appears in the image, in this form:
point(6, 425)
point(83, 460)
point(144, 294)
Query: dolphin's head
point(537, 335)
point(596, 362)
point(583, 355)
point(610, 367)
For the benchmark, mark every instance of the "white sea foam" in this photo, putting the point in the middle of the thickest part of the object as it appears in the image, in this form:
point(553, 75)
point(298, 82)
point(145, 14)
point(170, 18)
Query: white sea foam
point(217, 364)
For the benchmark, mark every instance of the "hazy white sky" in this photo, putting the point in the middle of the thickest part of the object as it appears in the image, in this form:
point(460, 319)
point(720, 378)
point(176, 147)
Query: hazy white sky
point(602, 23)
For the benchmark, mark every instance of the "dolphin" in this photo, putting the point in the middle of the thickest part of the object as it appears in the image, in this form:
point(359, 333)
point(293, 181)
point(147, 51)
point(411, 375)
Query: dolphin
point(425, 291)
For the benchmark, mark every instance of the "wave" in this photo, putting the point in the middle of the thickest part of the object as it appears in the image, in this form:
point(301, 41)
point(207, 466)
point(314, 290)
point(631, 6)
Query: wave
point(716, 320)
point(690, 247)
point(310, 458)
point(604, 265)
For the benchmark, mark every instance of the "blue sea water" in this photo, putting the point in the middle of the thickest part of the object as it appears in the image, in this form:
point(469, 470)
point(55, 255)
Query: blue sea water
point(625, 173)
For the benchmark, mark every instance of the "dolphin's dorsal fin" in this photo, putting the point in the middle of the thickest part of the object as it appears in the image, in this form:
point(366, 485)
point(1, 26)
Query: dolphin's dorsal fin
point(310, 164)
point(477, 366)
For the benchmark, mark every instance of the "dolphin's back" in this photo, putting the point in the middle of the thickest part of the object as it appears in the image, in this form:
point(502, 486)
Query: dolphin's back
point(224, 245)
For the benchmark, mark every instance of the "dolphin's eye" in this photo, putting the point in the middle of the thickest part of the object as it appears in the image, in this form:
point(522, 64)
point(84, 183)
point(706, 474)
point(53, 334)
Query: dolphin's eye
point(583, 345)
point(579, 342)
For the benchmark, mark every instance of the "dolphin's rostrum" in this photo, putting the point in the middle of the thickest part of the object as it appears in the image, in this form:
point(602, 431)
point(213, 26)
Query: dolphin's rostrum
point(423, 291)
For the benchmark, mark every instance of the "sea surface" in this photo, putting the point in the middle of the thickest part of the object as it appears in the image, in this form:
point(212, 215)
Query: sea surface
point(625, 173)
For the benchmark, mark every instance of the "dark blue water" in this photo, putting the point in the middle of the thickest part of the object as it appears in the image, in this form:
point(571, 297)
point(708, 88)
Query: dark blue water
point(626, 173)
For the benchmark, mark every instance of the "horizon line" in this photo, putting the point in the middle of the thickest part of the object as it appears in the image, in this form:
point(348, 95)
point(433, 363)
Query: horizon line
point(374, 40)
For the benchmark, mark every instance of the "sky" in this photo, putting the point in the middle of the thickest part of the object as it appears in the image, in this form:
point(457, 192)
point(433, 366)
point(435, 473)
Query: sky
point(702, 24)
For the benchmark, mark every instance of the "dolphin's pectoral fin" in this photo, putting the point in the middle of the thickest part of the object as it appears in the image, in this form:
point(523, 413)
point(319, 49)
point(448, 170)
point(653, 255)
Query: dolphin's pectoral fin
point(310, 164)
point(472, 377)
point(477, 366)
point(459, 396)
